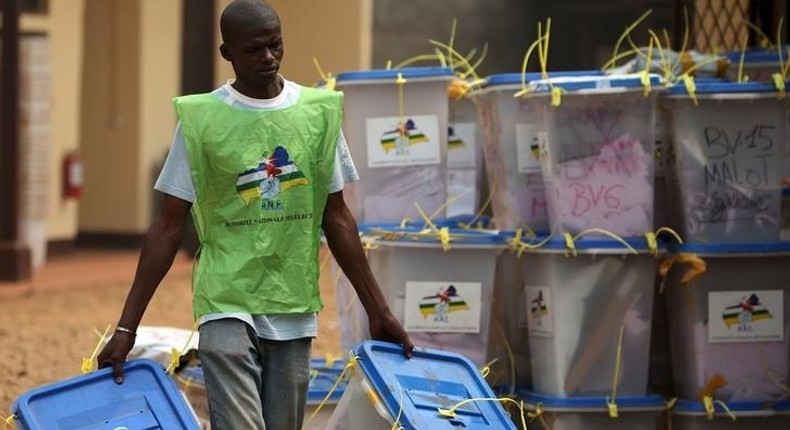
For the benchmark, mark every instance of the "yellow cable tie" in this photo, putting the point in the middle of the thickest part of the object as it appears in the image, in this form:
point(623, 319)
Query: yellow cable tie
point(779, 49)
point(425, 217)
point(175, 354)
point(485, 205)
point(396, 425)
point(347, 368)
point(187, 383)
point(537, 413)
point(779, 83)
point(710, 408)
point(671, 402)
point(644, 75)
point(644, 78)
point(87, 363)
point(726, 409)
point(444, 237)
point(556, 96)
point(607, 233)
point(776, 380)
point(570, 245)
point(331, 83)
point(416, 58)
point(371, 244)
point(611, 407)
point(521, 93)
point(670, 232)
point(527, 246)
point(691, 88)
point(9, 420)
point(330, 359)
point(450, 412)
point(611, 404)
point(516, 240)
point(652, 243)
point(175, 358)
point(628, 29)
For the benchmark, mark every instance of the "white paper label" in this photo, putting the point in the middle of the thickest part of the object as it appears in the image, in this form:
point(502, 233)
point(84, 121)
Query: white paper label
point(443, 307)
point(539, 311)
point(461, 145)
point(746, 316)
point(415, 142)
point(528, 148)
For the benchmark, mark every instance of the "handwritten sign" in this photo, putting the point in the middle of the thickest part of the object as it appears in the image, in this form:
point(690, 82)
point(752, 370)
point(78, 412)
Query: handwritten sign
point(587, 128)
point(740, 161)
point(612, 190)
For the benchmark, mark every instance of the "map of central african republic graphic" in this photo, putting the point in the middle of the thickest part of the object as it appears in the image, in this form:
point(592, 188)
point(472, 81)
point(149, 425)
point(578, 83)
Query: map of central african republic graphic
point(269, 177)
point(402, 137)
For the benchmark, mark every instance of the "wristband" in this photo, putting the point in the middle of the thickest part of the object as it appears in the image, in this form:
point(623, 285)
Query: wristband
point(125, 330)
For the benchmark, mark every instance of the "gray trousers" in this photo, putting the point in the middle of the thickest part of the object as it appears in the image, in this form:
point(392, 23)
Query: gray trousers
point(252, 383)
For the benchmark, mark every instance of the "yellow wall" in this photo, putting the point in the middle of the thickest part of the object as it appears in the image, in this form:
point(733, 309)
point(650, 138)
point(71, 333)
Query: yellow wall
point(63, 25)
point(337, 33)
point(160, 77)
point(132, 70)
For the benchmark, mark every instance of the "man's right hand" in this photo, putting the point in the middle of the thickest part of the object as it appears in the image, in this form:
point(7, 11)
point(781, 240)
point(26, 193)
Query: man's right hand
point(114, 354)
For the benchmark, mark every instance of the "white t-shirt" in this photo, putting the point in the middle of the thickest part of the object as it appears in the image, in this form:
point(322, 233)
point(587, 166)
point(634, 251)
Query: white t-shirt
point(176, 180)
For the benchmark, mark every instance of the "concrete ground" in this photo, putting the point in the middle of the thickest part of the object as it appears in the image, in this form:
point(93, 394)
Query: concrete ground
point(48, 325)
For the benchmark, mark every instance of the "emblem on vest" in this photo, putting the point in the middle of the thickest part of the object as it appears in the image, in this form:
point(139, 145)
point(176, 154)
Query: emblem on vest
point(272, 175)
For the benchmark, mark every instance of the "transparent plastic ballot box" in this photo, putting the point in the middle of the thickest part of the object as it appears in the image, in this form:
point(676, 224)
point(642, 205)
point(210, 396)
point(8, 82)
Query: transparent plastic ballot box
point(727, 306)
point(442, 292)
point(437, 390)
point(730, 143)
point(511, 129)
point(589, 315)
point(395, 122)
point(597, 154)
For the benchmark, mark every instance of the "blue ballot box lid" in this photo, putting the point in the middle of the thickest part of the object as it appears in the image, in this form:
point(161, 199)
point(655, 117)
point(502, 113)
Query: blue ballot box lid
point(323, 376)
point(147, 399)
point(416, 388)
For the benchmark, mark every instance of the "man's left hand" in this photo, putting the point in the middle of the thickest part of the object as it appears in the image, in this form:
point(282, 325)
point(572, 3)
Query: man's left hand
point(387, 328)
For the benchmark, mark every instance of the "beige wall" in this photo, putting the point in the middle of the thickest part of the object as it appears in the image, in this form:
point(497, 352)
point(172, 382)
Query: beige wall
point(63, 25)
point(132, 70)
point(116, 65)
point(160, 77)
point(337, 33)
point(110, 95)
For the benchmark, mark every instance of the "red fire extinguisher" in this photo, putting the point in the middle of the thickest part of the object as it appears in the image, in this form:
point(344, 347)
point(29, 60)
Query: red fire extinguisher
point(72, 176)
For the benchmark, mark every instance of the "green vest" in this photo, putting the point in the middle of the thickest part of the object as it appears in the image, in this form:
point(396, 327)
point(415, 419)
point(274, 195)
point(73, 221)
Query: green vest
point(261, 181)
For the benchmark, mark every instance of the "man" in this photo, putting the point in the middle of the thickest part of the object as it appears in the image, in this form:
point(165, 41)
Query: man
point(261, 162)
